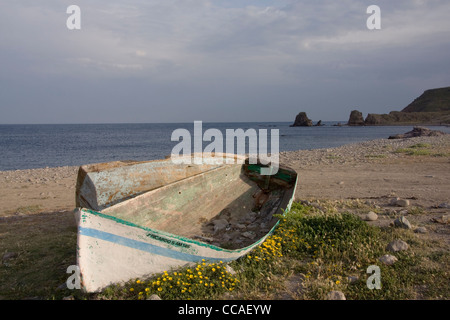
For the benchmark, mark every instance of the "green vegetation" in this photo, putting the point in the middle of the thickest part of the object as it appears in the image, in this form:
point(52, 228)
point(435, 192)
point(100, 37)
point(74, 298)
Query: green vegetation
point(421, 149)
point(323, 245)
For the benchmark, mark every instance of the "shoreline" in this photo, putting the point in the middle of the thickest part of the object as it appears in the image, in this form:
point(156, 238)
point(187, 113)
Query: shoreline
point(50, 189)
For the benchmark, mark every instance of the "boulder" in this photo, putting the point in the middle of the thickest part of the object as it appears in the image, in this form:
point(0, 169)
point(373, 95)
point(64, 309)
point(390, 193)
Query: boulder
point(336, 295)
point(402, 222)
point(418, 132)
point(356, 118)
point(388, 259)
point(371, 216)
point(302, 120)
point(397, 245)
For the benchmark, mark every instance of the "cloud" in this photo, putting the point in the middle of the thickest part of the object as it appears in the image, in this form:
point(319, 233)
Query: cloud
point(245, 54)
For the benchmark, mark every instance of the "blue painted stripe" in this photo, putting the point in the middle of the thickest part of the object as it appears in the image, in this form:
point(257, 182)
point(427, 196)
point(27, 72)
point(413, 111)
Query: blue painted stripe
point(144, 246)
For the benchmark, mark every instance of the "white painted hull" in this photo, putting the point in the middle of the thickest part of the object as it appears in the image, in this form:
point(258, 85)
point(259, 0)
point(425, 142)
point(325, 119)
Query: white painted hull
point(113, 251)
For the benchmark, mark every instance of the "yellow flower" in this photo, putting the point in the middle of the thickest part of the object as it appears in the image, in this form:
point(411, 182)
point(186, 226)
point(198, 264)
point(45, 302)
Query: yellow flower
point(159, 289)
point(138, 281)
point(337, 282)
point(131, 289)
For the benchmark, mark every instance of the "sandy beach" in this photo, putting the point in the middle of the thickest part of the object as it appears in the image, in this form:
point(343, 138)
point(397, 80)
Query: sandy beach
point(372, 170)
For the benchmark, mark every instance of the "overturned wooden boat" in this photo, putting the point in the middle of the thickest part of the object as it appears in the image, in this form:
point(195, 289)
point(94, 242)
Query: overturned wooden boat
point(137, 219)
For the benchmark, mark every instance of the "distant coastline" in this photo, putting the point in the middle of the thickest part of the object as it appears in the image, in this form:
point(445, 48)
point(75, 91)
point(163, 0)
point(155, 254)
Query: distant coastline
point(431, 108)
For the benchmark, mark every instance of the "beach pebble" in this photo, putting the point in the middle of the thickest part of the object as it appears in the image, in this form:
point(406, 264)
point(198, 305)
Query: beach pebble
point(444, 205)
point(397, 245)
point(388, 259)
point(230, 270)
point(420, 230)
point(402, 203)
point(9, 255)
point(249, 234)
point(402, 222)
point(336, 295)
point(371, 216)
point(393, 201)
point(220, 224)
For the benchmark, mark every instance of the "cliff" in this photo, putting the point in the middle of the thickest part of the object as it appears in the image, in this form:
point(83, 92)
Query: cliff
point(431, 108)
point(433, 100)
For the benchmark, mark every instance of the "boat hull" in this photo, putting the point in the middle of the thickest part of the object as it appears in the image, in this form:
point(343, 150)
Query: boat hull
point(113, 248)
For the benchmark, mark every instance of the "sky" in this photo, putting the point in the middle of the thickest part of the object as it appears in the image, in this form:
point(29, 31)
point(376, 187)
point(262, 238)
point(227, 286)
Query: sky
point(147, 61)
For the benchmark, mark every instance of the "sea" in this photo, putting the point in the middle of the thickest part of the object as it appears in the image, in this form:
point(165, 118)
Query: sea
point(29, 146)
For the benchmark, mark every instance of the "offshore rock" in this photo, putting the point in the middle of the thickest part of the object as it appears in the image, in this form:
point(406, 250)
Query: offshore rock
point(302, 120)
point(356, 118)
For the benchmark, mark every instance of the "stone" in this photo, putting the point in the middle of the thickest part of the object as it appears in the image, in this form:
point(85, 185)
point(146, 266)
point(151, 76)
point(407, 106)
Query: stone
point(402, 222)
point(393, 201)
point(353, 279)
point(388, 259)
point(9, 255)
point(402, 203)
point(336, 295)
point(154, 297)
point(397, 245)
point(356, 118)
point(220, 224)
point(371, 216)
point(249, 234)
point(302, 120)
point(420, 230)
point(444, 205)
point(230, 270)
point(418, 132)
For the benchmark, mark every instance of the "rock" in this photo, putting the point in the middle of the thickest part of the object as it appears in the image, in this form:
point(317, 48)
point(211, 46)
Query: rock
point(9, 256)
point(302, 120)
point(397, 245)
point(402, 222)
point(420, 230)
point(393, 201)
point(371, 216)
point(249, 234)
point(418, 132)
point(230, 270)
point(336, 295)
point(356, 118)
point(154, 297)
point(444, 205)
point(319, 123)
point(353, 279)
point(402, 203)
point(220, 224)
point(388, 259)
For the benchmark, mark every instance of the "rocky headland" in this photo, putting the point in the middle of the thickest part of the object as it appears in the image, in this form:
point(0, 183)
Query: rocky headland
point(431, 108)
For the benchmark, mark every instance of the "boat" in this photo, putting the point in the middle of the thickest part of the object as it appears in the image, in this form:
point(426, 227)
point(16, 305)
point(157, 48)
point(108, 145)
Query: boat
point(136, 219)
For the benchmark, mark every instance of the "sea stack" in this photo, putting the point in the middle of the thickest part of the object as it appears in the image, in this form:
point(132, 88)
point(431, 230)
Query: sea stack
point(356, 118)
point(302, 120)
